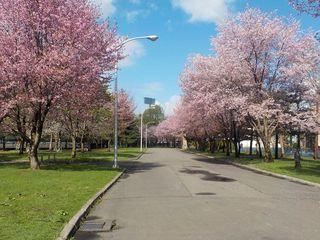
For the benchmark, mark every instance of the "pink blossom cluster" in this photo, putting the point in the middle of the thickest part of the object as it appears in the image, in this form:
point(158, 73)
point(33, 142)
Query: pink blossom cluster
point(54, 55)
point(262, 76)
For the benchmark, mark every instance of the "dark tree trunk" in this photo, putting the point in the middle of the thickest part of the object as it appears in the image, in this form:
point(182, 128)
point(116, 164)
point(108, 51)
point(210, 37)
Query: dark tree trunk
point(235, 139)
point(236, 149)
point(251, 142)
point(316, 147)
point(74, 148)
point(66, 145)
point(228, 147)
point(259, 148)
point(109, 145)
point(3, 143)
point(276, 148)
point(297, 156)
point(212, 145)
point(89, 146)
point(21, 147)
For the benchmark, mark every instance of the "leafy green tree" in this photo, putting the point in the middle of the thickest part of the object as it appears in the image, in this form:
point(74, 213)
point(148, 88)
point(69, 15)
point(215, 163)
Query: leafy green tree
point(153, 115)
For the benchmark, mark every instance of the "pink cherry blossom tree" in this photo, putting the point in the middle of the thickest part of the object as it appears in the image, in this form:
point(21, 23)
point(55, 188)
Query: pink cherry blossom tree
point(126, 110)
point(311, 7)
point(48, 50)
point(268, 54)
point(260, 62)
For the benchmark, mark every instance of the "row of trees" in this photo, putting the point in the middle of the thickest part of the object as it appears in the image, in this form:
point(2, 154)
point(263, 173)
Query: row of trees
point(56, 62)
point(261, 80)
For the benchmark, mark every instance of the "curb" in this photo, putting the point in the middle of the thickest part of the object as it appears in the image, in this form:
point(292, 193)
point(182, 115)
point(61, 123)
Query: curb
point(139, 156)
point(70, 228)
point(264, 172)
point(276, 175)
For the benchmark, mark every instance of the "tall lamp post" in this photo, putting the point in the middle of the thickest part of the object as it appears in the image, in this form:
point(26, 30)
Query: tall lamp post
point(115, 159)
point(150, 102)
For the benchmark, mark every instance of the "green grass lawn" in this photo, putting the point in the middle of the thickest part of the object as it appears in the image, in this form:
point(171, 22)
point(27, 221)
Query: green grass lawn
point(96, 155)
point(37, 204)
point(310, 170)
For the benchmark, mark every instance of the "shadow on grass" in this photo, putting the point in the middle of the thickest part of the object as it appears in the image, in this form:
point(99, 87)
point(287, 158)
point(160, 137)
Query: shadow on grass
point(60, 167)
point(132, 166)
point(65, 156)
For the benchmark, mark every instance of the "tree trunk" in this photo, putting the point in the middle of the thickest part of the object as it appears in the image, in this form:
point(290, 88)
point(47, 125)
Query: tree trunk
point(184, 145)
point(66, 145)
point(251, 142)
point(3, 143)
point(282, 143)
point(212, 145)
point(33, 157)
point(74, 148)
point(236, 148)
point(55, 148)
point(50, 143)
point(267, 150)
point(21, 147)
point(89, 146)
point(297, 156)
point(276, 149)
point(316, 147)
point(33, 147)
point(259, 150)
point(81, 144)
point(109, 145)
point(228, 147)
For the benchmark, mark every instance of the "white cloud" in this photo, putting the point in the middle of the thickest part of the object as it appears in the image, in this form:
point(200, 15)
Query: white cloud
point(132, 16)
point(152, 88)
point(204, 10)
point(107, 7)
point(133, 51)
point(171, 104)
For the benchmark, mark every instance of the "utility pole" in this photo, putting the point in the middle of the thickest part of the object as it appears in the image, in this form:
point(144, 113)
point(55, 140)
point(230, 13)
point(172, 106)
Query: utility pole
point(141, 133)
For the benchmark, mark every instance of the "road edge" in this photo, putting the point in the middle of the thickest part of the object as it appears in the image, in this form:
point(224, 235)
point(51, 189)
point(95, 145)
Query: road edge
point(71, 227)
point(262, 172)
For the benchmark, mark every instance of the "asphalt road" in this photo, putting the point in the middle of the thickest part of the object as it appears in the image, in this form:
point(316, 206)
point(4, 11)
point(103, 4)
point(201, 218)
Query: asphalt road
point(171, 195)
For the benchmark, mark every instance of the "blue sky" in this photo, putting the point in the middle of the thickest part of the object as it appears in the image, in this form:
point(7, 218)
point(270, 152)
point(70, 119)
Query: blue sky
point(185, 27)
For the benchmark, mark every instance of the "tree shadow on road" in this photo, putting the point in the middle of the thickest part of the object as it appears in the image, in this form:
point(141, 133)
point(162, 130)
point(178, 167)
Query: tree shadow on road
point(210, 160)
point(139, 167)
point(208, 176)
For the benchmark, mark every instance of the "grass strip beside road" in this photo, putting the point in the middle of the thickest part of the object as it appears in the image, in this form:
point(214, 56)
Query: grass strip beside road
point(37, 204)
point(96, 155)
point(310, 170)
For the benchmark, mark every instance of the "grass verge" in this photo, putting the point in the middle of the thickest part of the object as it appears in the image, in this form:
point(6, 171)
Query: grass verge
point(310, 170)
point(96, 155)
point(37, 204)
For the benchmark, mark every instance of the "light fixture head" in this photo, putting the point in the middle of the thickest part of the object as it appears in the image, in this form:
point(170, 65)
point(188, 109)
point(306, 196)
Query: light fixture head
point(153, 38)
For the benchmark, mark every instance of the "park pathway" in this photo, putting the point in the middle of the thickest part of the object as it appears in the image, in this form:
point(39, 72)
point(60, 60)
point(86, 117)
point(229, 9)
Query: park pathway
point(172, 195)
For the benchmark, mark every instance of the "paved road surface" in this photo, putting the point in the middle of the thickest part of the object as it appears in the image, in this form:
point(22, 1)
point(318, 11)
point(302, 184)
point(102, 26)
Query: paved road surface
point(171, 195)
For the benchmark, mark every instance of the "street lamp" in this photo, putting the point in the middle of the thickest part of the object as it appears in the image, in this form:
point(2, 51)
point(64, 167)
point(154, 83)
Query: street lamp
point(115, 159)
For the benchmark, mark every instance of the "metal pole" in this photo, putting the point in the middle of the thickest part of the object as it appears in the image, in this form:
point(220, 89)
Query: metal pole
point(115, 160)
point(147, 136)
point(141, 134)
